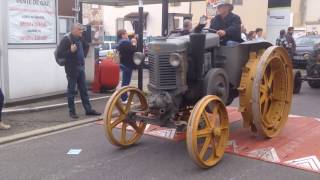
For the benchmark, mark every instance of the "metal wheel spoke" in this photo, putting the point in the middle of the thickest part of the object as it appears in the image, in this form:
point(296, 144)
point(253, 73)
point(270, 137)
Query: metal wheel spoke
point(135, 127)
point(204, 132)
point(265, 79)
point(207, 120)
point(116, 122)
point(263, 98)
point(120, 107)
point(273, 73)
point(214, 115)
point(123, 133)
point(266, 107)
point(264, 89)
point(130, 98)
point(205, 147)
point(214, 148)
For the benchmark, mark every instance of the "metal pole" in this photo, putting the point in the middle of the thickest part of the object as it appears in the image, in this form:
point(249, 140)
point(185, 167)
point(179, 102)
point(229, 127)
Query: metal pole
point(140, 44)
point(80, 13)
point(165, 11)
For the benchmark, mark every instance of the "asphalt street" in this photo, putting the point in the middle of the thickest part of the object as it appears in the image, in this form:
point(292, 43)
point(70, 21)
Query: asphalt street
point(46, 158)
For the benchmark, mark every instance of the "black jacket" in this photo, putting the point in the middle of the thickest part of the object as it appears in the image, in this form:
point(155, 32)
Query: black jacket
point(64, 51)
point(231, 24)
point(126, 51)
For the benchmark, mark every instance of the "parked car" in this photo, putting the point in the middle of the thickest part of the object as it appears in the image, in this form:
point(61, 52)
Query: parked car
point(107, 49)
point(305, 50)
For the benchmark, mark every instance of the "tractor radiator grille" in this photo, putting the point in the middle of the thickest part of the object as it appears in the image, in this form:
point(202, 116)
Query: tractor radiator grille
point(162, 74)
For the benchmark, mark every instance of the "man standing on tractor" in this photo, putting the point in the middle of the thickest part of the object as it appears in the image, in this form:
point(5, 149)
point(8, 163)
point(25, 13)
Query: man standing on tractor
point(227, 25)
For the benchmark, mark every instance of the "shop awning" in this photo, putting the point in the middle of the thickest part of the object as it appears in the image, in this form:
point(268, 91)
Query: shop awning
point(134, 16)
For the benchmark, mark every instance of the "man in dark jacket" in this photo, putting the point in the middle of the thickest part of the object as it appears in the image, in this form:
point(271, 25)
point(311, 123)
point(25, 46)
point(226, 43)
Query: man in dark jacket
point(291, 42)
point(227, 25)
point(126, 50)
point(74, 49)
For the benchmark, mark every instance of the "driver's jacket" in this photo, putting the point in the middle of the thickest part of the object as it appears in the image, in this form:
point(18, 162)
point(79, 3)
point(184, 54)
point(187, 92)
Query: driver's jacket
point(231, 24)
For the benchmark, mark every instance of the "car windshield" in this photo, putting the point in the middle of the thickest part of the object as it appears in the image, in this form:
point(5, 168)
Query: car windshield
point(307, 41)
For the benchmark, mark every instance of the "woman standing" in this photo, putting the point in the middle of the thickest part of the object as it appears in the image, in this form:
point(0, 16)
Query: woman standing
point(126, 49)
point(2, 124)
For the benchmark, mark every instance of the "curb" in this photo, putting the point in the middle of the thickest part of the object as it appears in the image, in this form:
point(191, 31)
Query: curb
point(46, 107)
point(47, 130)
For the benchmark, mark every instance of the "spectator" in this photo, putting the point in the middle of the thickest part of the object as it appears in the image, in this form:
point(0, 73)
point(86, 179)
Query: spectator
point(126, 49)
point(291, 42)
point(259, 37)
point(282, 39)
point(251, 36)
point(74, 49)
point(187, 27)
point(243, 33)
point(227, 24)
point(2, 124)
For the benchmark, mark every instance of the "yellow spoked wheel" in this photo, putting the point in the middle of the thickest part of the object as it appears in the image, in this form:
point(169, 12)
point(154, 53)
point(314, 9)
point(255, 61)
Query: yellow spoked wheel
point(207, 131)
point(116, 115)
point(272, 91)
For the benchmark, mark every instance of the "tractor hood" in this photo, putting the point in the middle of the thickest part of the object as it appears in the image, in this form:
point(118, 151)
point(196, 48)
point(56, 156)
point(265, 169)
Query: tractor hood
point(179, 44)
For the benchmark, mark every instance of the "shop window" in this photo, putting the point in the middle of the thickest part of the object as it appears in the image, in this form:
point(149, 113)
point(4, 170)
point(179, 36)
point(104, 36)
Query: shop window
point(65, 24)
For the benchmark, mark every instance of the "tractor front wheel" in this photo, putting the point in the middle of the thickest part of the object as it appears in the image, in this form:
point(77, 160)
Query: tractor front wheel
point(207, 131)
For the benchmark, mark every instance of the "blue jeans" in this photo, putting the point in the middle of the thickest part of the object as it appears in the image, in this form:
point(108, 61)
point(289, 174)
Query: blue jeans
point(126, 79)
point(80, 80)
point(232, 43)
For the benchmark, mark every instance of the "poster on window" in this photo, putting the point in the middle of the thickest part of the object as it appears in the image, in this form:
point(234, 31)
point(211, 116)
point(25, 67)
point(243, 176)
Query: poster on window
point(31, 21)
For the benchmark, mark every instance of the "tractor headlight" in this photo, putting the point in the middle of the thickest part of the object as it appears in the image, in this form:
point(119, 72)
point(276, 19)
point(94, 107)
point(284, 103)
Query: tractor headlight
point(138, 57)
point(306, 56)
point(175, 59)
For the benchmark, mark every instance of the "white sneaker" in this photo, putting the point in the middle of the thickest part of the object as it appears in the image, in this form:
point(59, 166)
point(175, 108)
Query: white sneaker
point(4, 126)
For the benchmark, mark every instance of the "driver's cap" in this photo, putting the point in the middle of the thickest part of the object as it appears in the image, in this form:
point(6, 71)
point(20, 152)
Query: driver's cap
point(221, 3)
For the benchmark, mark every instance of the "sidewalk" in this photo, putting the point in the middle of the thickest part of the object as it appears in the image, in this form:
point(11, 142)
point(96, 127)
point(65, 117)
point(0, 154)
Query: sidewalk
point(47, 115)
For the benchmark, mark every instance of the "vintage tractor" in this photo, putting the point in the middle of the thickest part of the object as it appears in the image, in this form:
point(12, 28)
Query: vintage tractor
point(191, 80)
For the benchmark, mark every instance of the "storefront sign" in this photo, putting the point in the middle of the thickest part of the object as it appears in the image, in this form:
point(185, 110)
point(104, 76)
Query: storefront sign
point(31, 21)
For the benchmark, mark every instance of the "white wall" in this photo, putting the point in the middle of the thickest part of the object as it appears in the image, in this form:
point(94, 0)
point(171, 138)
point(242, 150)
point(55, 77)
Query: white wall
point(312, 11)
point(34, 72)
point(154, 18)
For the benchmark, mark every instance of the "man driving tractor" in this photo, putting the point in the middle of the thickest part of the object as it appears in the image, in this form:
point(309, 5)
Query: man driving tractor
point(227, 25)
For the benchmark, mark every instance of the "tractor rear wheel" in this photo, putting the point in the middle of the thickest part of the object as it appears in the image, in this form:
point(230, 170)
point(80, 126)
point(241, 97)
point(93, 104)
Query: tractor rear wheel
point(265, 99)
point(208, 131)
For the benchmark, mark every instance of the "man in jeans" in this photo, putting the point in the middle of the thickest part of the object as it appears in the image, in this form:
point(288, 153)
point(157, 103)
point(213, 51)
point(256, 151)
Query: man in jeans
point(74, 49)
point(291, 42)
point(126, 50)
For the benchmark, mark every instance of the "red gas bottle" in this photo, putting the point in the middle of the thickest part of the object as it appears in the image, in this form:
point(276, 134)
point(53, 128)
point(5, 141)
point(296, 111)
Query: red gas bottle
point(107, 74)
